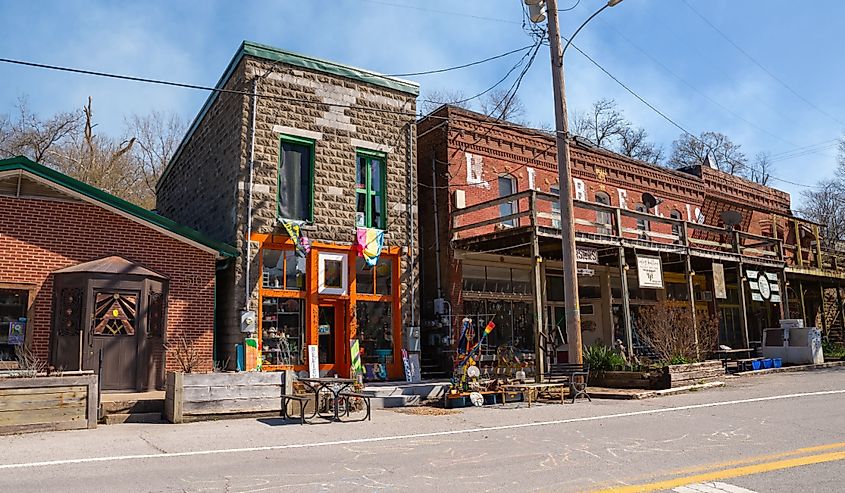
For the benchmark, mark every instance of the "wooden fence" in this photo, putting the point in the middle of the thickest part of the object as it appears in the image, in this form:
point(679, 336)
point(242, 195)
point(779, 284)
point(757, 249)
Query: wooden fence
point(48, 403)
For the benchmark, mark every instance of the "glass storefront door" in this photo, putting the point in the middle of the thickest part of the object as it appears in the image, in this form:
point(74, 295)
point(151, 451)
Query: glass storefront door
point(13, 322)
point(331, 334)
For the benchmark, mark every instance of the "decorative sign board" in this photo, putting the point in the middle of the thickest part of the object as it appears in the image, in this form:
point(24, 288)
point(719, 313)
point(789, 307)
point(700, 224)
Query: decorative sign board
point(764, 286)
point(313, 361)
point(586, 255)
point(650, 272)
point(719, 281)
point(585, 272)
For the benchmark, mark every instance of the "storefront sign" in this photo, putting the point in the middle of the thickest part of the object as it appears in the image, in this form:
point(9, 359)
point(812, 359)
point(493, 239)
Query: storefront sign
point(764, 286)
point(719, 281)
point(313, 361)
point(586, 255)
point(16, 333)
point(650, 272)
point(585, 272)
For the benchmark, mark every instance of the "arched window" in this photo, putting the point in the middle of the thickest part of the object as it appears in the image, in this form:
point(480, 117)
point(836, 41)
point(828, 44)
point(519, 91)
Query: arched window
point(642, 223)
point(676, 228)
point(604, 217)
point(507, 186)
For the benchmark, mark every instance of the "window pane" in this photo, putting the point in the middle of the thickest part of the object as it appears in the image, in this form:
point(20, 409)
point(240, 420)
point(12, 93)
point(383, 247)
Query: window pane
point(361, 173)
point(554, 288)
point(473, 276)
point(114, 314)
point(376, 167)
point(295, 182)
point(375, 210)
point(13, 323)
point(363, 277)
point(499, 279)
point(282, 331)
point(294, 271)
point(384, 269)
point(361, 211)
point(521, 281)
point(272, 268)
point(555, 203)
point(375, 333)
point(334, 273)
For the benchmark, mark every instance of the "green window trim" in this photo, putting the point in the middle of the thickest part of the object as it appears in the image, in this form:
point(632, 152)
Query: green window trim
point(311, 144)
point(369, 191)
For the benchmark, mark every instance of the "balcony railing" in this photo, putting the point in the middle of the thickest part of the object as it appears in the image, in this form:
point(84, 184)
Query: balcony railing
point(598, 223)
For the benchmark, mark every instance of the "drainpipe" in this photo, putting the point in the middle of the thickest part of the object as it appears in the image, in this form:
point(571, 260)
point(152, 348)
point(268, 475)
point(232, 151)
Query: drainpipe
point(248, 260)
point(409, 169)
point(436, 226)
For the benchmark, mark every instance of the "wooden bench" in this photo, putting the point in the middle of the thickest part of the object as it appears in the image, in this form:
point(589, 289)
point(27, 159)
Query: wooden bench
point(364, 397)
point(301, 399)
point(537, 389)
point(576, 375)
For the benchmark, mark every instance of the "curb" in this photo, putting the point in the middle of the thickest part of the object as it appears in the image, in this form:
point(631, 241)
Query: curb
point(678, 390)
point(790, 369)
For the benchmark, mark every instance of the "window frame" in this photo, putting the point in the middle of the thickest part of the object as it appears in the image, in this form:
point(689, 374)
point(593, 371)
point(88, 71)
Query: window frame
point(312, 145)
point(513, 204)
point(368, 190)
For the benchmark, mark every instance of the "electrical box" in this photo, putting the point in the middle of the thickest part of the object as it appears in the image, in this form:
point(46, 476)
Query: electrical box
point(460, 199)
point(248, 321)
point(439, 306)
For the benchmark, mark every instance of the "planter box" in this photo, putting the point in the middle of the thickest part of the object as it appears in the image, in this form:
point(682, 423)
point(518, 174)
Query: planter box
point(48, 403)
point(194, 397)
point(668, 377)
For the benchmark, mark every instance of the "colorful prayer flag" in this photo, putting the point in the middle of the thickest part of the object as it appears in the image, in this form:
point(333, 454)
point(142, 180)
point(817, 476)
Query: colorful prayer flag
point(370, 242)
point(300, 241)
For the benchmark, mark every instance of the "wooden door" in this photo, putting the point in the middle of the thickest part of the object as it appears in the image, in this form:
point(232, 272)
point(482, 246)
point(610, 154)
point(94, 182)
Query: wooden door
point(114, 330)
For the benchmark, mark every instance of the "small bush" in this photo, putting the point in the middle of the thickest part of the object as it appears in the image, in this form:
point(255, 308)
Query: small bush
point(670, 329)
point(602, 358)
point(833, 350)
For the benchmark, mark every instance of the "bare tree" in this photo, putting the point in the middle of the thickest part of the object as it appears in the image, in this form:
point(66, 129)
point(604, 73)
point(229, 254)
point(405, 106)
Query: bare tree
point(674, 335)
point(437, 98)
point(761, 171)
point(691, 151)
point(501, 104)
point(825, 204)
point(157, 136)
point(633, 143)
point(601, 125)
point(31, 136)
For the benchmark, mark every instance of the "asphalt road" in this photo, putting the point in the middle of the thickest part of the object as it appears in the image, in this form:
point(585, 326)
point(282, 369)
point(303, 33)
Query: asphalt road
point(768, 433)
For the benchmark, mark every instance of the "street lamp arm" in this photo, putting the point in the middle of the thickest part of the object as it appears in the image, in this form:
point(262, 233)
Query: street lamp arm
point(569, 41)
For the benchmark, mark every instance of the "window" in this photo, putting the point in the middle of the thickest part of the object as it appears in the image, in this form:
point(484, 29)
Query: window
point(375, 331)
point(555, 190)
point(296, 179)
point(114, 314)
point(369, 190)
point(676, 228)
point(603, 217)
point(282, 331)
point(282, 269)
point(507, 186)
point(13, 307)
point(333, 273)
point(496, 279)
point(373, 280)
point(642, 223)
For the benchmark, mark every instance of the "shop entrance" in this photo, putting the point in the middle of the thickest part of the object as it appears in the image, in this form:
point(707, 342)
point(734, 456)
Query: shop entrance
point(331, 333)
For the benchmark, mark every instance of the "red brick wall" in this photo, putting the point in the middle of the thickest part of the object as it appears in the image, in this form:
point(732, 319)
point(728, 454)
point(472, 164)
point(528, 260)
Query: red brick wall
point(38, 237)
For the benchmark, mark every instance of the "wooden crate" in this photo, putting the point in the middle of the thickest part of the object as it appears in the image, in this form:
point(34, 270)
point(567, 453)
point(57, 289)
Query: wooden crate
point(48, 403)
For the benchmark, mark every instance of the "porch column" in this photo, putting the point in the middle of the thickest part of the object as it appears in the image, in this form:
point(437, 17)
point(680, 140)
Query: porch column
point(803, 308)
point(626, 306)
point(821, 309)
point(536, 277)
point(743, 304)
point(691, 294)
point(839, 311)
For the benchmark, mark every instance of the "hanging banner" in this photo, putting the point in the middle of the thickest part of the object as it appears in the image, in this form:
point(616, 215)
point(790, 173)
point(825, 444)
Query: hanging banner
point(719, 281)
point(649, 272)
point(370, 242)
point(355, 352)
point(586, 255)
point(764, 286)
point(300, 241)
point(313, 361)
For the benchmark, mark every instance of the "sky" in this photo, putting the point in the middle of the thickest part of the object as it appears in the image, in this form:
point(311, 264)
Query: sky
point(764, 72)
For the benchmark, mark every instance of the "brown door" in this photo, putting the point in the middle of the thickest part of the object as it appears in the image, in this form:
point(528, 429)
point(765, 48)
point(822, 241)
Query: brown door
point(114, 331)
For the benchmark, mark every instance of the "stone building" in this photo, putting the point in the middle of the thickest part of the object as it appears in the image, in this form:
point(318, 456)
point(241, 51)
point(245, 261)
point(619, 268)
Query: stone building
point(496, 239)
point(326, 146)
point(87, 279)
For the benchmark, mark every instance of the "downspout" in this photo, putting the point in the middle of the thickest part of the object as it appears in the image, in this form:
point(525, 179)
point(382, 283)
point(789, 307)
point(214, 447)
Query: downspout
point(409, 169)
point(436, 226)
point(248, 259)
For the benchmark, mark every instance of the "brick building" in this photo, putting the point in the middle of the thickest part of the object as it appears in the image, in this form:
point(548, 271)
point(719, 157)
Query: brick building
point(492, 247)
point(332, 152)
point(84, 271)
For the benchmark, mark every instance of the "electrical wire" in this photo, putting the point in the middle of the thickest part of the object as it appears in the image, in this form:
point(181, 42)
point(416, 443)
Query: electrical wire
point(458, 67)
point(570, 8)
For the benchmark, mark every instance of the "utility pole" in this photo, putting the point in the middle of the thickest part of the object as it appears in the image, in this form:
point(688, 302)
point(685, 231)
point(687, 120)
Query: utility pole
point(567, 222)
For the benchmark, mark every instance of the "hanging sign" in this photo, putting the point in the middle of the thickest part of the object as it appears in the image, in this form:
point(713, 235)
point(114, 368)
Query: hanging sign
point(585, 272)
point(719, 281)
point(586, 255)
point(313, 361)
point(764, 286)
point(650, 272)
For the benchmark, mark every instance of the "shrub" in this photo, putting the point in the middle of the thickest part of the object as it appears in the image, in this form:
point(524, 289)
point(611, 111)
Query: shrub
point(602, 358)
point(670, 330)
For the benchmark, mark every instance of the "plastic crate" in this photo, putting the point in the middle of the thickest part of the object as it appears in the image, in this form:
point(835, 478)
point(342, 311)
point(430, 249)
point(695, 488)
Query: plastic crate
point(757, 364)
point(777, 362)
point(767, 363)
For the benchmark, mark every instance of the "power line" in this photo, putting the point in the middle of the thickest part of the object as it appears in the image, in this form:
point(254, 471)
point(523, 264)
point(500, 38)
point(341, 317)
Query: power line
point(760, 65)
point(457, 67)
point(569, 8)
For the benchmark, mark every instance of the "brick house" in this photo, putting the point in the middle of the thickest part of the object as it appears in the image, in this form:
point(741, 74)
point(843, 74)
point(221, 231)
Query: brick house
point(333, 151)
point(84, 271)
point(497, 252)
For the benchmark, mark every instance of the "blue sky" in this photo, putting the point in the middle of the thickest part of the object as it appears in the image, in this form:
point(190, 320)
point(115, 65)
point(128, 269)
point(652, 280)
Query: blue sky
point(660, 48)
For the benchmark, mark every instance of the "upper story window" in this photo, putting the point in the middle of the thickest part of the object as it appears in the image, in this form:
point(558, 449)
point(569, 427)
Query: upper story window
point(370, 184)
point(507, 186)
point(642, 223)
point(603, 217)
point(296, 179)
point(676, 228)
point(555, 190)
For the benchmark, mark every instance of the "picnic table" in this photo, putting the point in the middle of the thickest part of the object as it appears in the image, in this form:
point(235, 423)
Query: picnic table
point(331, 385)
point(535, 389)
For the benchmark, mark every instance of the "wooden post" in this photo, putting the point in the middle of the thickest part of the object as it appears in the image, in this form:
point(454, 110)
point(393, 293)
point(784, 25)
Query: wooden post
point(821, 310)
point(840, 311)
point(798, 246)
point(690, 290)
point(743, 305)
point(536, 260)
point(93, 401)
point(626, 306)
point(803, 308)
point(819, 261)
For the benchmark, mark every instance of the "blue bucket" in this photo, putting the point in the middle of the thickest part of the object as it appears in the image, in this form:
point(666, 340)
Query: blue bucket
point(777, 362)
point(767, 363)
point(756, 364)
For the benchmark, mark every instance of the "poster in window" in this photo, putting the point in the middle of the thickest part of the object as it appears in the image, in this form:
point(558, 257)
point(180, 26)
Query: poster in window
point(16, 332)
point(649, 272)
point(719, 281)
